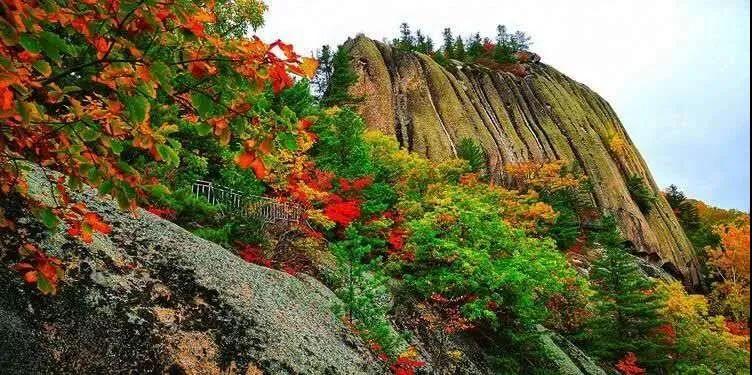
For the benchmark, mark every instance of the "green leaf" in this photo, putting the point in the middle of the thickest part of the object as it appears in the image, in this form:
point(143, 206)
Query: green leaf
point(163, 74)
point(44, 285)
point(168, 154)
point(125, 167)
point(137, 108)
point(158, 191)
point(90, 134)
point(8, 33)
point(117, 147)
point(203, 104)
point(30, 43)
point(203, 129)
point(288, 141)
point(48, 218)
point(25, 109)
point(43, 67)
point(147, 89)
point(106, 187)
point(52, 45)
point(95, 176)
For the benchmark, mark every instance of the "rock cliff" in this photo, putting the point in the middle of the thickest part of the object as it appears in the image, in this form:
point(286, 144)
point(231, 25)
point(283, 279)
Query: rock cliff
point(542, 116)
point(152, 298)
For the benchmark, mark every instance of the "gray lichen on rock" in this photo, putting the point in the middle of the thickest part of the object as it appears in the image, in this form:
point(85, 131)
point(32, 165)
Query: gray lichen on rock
point(152, 298)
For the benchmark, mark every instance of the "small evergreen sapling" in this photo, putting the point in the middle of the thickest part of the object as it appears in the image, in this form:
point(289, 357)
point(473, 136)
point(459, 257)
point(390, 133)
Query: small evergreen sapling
point(641, 193)
point(470, 151)
point(626, 304)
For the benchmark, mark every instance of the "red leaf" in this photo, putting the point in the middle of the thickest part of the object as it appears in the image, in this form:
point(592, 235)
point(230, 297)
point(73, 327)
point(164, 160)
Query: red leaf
point(101, 45)
point(629, 366)
point(280, 79)
point(195, 27)
point(343, 213)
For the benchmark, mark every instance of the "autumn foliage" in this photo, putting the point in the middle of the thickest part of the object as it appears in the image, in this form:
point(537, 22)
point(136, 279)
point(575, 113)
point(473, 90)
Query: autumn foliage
point(730, 266)
point(629, 365)
point(83, 84)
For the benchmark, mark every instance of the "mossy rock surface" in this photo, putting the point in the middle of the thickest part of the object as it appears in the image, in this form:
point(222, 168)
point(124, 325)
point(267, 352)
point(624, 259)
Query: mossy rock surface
point(541, 117)
point(153, 298)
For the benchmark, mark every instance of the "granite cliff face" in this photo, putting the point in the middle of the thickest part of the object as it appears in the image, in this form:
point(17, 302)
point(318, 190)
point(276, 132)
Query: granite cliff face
point(151, 298)
point(542, 116)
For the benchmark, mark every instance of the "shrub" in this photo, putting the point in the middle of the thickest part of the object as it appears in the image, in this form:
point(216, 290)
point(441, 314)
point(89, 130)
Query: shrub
point(463, 248)
point(470, 151)
point(641, 193)
point(702, 344)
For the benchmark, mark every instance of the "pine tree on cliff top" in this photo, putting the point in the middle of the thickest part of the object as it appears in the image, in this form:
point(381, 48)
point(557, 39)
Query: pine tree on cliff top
point(406, 40)
point(459, 49)
point(626, 316)
point(423, 43)
point(448, 43)
point(475, 48)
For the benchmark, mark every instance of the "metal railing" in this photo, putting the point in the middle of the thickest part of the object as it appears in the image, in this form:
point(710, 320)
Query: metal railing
point(264, 209)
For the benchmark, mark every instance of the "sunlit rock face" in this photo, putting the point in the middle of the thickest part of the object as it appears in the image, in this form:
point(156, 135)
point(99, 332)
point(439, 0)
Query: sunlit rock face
point(539, 116)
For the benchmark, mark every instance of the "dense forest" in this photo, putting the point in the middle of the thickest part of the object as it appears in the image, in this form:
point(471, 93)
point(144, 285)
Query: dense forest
point(140, 99)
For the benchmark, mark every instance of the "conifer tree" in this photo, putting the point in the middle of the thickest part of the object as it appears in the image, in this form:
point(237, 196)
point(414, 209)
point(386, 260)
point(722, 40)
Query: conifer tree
point(320, 81)
point(675, 197)
point(475, 49)
point(520, 41)
point(459, 49)
point(448, 44)
point(473, 153)
point(626, 304)
point(641, 193)
point(423, 43)
point(502, 37)
point(440, 58)
point(407, 40)
point(342, 78)
point(420, 40)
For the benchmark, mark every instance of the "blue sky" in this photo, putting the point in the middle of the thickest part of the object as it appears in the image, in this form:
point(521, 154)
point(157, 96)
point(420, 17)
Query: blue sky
point(676, 72)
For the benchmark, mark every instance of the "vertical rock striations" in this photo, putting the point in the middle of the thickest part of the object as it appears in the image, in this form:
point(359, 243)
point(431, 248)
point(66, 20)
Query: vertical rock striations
point(542, 117)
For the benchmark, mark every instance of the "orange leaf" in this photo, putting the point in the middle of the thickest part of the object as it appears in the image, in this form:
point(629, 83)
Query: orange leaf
point(96, 223)
point(195, 26)
point(259, 168)
point(86, 234)
point(30, 277)
point(6, 98)
point(305, 124)
point(245, 159)
point(101, 45)
point(200, 69)
point(287, 49)
point(266, 146)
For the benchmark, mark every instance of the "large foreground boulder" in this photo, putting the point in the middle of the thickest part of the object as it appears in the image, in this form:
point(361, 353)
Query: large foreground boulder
point(153, 298)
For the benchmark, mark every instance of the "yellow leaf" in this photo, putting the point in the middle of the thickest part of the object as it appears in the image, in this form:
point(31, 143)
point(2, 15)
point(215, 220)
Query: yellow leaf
point(309, 66)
